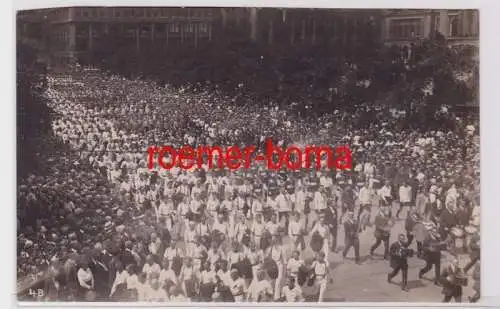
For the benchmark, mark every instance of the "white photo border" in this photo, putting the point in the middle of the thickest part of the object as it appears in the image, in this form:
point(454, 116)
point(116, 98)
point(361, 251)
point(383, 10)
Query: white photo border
point(489, 130)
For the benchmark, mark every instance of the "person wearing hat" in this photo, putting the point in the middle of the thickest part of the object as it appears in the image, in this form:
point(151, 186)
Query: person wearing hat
point(411, 220)
point(399, 261)
point(348, 197)
point(383, 225)
point(431, 250)
point(351, 230)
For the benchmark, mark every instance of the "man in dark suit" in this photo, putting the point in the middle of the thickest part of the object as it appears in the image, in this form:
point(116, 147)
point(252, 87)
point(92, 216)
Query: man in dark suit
point(347, 199)
point(451, 287)
point(399, 261)
point(100, 270)
point(332, 220)
point(128, 257)
point(431, 249)
point(474, 252)
point(351, 228)
point(383, 225)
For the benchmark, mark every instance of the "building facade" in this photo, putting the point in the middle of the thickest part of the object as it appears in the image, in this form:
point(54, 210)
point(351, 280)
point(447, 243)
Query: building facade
point(67, 33)
point(305, 26)
point(407, 26)
point(72, 32)
point(76, 32)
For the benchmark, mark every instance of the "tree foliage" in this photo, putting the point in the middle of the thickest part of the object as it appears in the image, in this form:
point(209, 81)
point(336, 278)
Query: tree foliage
point(33, 114)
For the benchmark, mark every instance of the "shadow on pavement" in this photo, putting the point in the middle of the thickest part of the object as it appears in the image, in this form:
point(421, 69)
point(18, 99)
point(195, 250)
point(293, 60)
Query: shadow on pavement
point(415, 284)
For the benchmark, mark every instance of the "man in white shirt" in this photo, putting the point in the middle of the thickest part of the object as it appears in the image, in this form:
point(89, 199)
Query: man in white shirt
point(284, 206)
point(385, 194)
point(293, 265)
point(260, 289)
point(405, 196)
point(295, 232)
point(150, 267)
point(433, 195)
point(258, 228)
point(365, 198)
point(292, 293)
point(321, 271)
point(319, 201)
point(237, 286)
point(85, 277)
point(322, 229)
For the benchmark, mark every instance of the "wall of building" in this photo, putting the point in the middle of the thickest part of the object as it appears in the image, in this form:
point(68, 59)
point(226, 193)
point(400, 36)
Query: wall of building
point(457, 26)
point(68, 32)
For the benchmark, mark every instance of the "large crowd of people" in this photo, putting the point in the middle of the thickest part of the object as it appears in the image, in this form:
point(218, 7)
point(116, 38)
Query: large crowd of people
point(102, 226)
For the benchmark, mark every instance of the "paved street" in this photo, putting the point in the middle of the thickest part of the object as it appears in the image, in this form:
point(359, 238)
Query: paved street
point(368, 281)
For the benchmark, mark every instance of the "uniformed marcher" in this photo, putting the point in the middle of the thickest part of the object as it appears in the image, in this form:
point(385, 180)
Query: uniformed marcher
point(452, 287)
point(351, 229)
point(431, 249)
point(383, 225)
point(331, 219)
point(399, 261)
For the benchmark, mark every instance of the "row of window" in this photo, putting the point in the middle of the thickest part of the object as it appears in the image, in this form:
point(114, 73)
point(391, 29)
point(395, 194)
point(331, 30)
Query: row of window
point(142, 12)
point(60, 36)
point(407, 28)
point(414, 28)
point(82, 30)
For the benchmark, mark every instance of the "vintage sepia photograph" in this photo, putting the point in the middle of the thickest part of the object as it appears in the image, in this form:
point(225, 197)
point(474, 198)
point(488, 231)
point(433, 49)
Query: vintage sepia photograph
point(245, 155)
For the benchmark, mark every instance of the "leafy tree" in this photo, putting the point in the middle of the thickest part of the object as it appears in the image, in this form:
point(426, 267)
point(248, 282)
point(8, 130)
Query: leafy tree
point(33, 114)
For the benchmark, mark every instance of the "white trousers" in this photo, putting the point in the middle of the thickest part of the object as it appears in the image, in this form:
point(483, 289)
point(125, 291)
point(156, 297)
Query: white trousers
point(277, 283)
point(321, 284)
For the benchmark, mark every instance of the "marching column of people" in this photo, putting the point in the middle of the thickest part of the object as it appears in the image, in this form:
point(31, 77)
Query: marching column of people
point(210, 234)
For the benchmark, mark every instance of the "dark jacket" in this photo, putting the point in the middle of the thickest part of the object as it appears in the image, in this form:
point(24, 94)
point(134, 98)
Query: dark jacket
point(450, 287)
point(398, 259)
point(351, 229)
point(409, 224)
point(331, 218)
